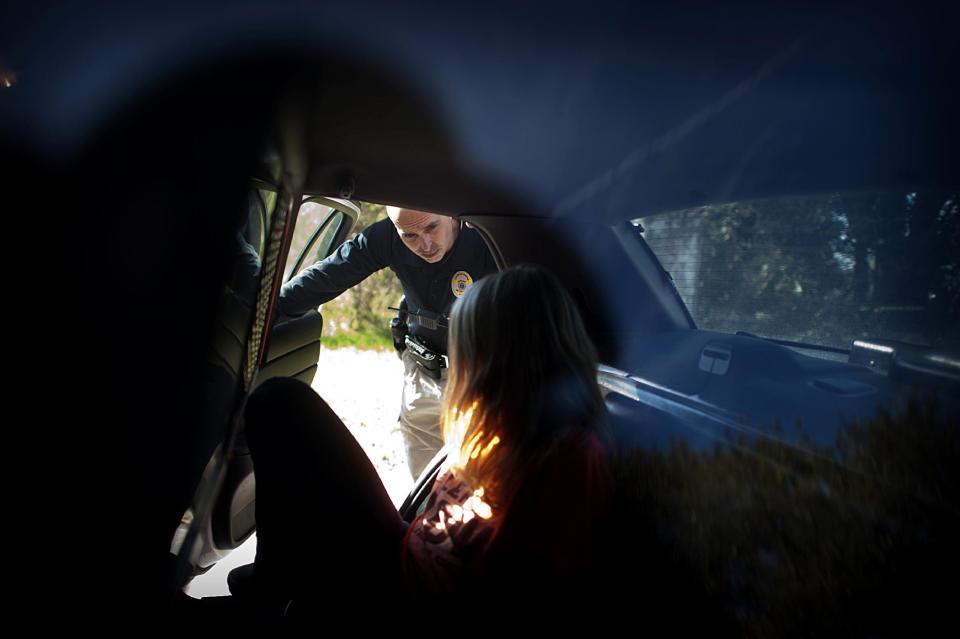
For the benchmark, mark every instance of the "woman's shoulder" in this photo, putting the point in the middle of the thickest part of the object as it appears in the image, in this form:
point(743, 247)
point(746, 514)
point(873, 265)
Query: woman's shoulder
point(582, 451)
point(577, 465)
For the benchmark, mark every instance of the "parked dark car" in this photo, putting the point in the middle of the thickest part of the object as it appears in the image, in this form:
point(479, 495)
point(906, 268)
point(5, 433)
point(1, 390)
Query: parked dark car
point(756, 209)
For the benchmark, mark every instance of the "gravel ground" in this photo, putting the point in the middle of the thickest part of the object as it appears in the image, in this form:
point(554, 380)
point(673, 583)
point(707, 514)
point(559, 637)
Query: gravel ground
point(363, 388)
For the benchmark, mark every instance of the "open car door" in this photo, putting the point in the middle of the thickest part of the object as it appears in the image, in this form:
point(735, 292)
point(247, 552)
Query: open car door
point(321, 225)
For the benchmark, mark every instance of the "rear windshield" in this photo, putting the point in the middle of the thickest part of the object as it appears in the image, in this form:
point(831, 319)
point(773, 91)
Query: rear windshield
point(820, 270)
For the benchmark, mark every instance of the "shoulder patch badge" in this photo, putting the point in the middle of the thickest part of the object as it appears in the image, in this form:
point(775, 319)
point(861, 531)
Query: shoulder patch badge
point(460, 283)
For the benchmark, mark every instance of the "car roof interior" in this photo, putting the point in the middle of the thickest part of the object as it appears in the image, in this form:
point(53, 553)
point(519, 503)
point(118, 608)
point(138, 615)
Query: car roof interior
point(796, 112)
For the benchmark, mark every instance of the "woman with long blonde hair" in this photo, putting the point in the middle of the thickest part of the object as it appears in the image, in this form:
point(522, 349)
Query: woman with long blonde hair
point(518, 500)
point(525, 482)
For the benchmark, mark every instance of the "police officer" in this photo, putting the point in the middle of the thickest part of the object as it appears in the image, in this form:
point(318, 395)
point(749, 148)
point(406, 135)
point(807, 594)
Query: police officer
point(436, 258)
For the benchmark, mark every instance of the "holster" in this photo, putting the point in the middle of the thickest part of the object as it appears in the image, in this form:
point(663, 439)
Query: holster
point(399, 328)
point(429, 360)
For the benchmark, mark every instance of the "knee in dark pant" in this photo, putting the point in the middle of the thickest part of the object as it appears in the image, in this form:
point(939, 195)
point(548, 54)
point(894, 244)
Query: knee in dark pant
point(280, 396)
point(278, 389)
point(286, 419)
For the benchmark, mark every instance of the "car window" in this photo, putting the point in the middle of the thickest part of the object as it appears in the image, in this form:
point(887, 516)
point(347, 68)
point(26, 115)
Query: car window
point(260, 205)
point(319, 227)
point(823, 270)
point(312, 215)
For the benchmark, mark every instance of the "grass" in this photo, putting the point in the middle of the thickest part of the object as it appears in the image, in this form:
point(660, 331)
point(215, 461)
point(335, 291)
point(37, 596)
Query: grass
point(362, 340)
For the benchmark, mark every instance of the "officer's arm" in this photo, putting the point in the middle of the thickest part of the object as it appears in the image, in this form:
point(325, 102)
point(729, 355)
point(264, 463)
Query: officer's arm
point(349, 265)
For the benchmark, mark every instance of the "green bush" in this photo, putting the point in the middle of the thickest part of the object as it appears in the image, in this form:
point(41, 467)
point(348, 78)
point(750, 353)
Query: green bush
point(359, 317)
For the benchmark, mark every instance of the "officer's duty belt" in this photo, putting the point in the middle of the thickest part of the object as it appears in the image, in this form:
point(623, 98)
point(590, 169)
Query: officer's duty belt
point(429, 360)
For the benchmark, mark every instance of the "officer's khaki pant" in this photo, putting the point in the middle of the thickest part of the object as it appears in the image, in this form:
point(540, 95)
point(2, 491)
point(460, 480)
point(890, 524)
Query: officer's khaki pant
point(420, 414)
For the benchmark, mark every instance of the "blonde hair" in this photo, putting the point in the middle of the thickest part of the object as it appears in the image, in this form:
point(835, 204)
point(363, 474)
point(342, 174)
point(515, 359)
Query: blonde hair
point(522, 378)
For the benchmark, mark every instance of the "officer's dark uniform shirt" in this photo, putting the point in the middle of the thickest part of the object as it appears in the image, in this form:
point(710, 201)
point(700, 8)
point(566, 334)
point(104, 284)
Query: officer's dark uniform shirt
point(429, 288)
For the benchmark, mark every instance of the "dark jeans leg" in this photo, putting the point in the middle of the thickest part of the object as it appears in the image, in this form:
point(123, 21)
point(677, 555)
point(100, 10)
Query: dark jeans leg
point(324, 519)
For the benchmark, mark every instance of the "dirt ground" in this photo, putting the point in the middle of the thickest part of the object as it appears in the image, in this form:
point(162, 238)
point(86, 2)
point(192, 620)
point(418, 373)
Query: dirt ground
point(363, 388)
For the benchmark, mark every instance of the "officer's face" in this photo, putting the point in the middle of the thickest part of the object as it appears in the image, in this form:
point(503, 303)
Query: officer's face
point(428, 235)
